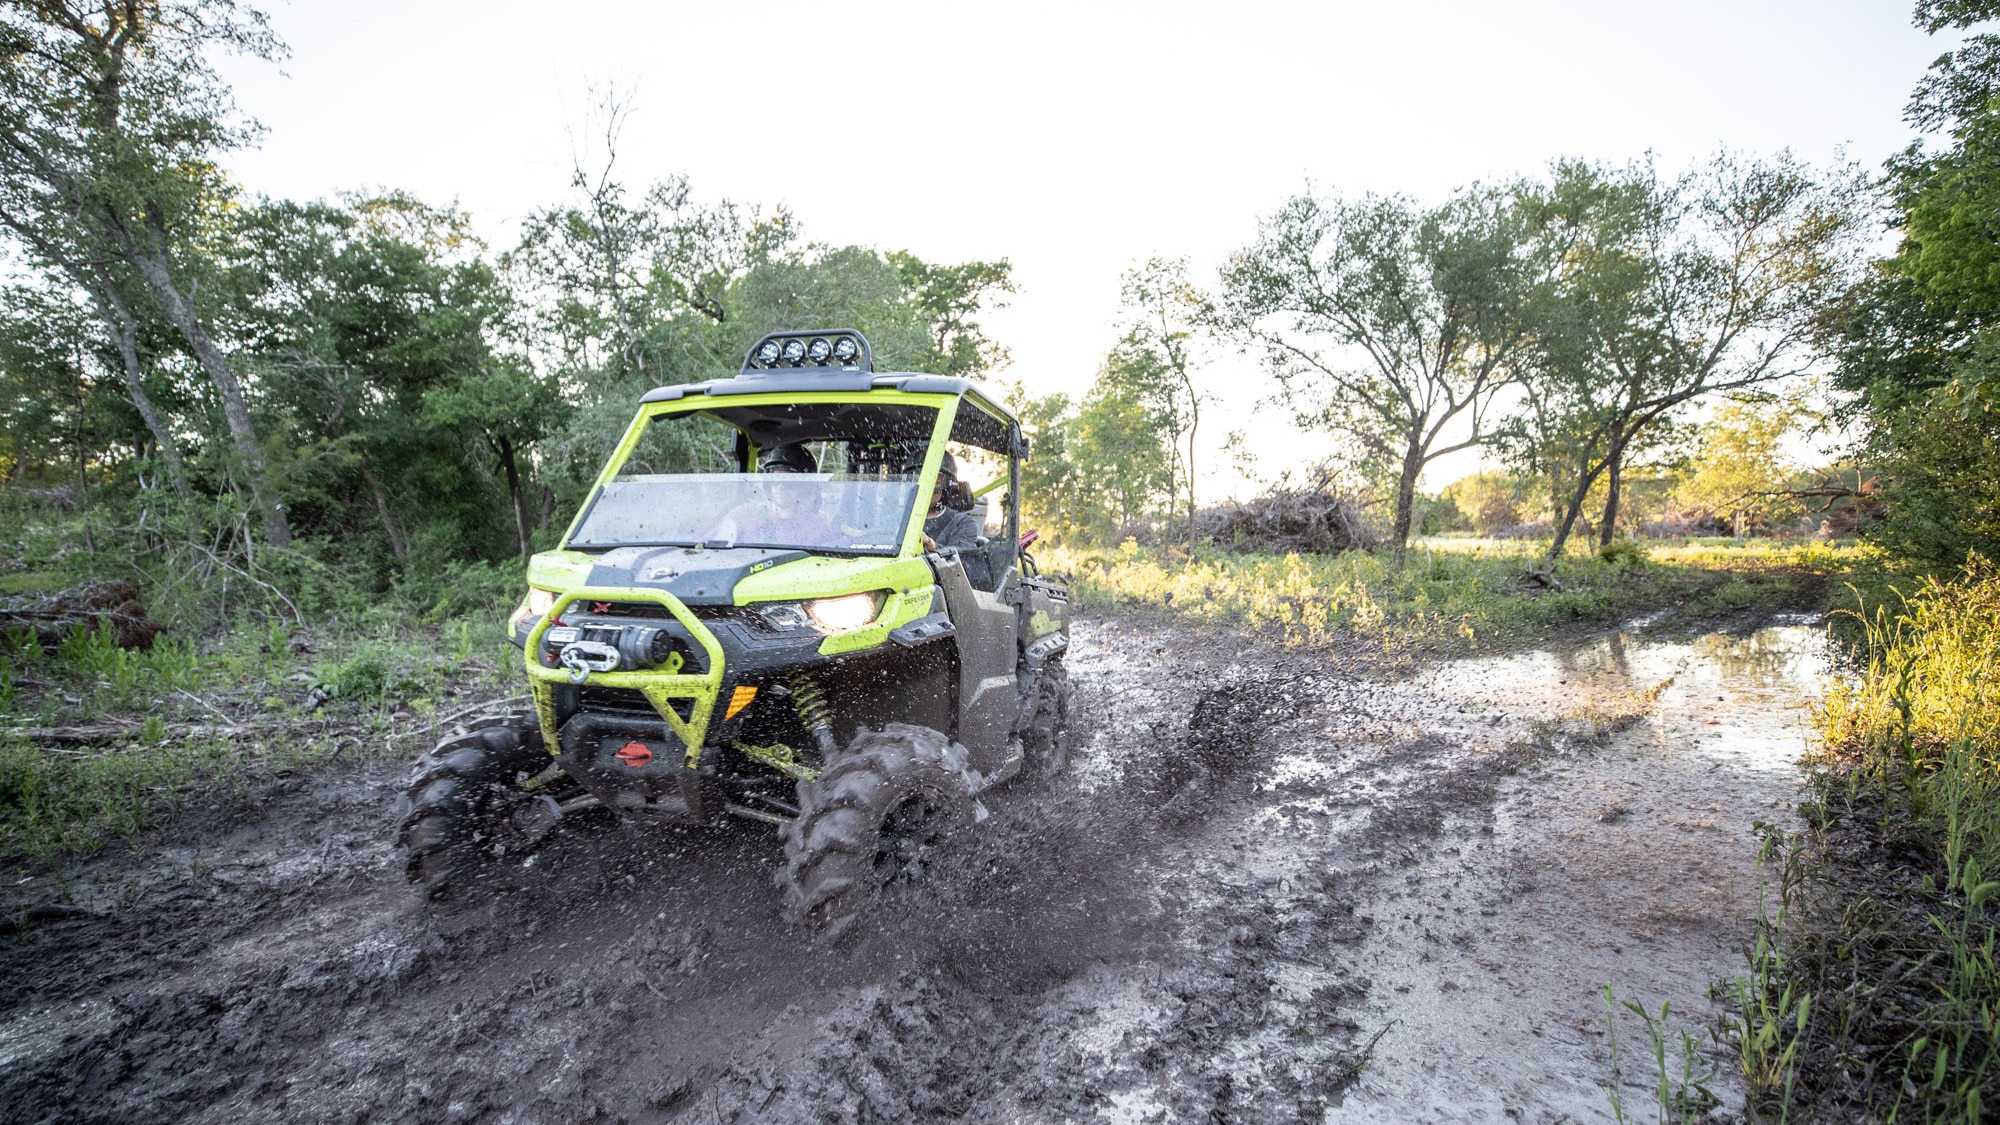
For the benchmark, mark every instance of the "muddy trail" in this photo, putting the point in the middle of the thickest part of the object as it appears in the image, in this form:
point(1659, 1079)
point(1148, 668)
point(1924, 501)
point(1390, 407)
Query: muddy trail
point(1272, 888)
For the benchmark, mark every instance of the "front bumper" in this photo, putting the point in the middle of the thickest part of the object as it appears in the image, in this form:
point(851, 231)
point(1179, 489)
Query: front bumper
point(661, 688)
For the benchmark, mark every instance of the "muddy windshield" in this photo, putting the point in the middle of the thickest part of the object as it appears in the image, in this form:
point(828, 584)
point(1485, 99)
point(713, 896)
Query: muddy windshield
point(823, 477)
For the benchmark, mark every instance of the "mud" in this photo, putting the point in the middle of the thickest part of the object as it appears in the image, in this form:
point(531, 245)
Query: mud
point(1272, 888)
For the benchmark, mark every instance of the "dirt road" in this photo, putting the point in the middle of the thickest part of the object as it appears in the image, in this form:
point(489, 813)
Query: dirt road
point(1262, 864)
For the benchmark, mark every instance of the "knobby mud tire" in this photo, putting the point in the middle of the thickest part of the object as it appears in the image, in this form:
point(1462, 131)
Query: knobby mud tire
point(460, 796)
point(1045, 744)
point(873, 818)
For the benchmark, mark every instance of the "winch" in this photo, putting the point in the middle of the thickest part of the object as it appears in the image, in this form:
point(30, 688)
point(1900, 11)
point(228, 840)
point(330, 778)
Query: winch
point(604, 647)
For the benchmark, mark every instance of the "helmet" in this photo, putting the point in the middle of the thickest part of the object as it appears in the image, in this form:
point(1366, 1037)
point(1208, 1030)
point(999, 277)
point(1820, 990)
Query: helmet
point(949, 466)
point(791, 456)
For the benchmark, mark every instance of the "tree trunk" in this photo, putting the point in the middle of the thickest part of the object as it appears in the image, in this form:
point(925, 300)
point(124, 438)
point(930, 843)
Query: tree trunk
point(1614, 465)
point(507, 463)
point(382, 510)
point(1571, 511)
point(1194, 427)
point(125, 331)
point(152, 265)
point(1406, 498)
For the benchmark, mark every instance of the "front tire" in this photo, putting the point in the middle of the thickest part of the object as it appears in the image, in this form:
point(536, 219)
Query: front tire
point(461, 795)
point(875, 820)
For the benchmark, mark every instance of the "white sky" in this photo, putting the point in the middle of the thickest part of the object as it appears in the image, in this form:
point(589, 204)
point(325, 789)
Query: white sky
point(1075, 139)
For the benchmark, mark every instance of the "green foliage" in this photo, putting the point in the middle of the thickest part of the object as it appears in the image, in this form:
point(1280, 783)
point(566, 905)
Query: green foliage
point(1923, 334)
point(1740, 469)
point(1105, 467)
point(56, 805)
point(1667, 291)
point(1387, 322)
point(1490, 501)
point(1883, 945)
point(1622, 552)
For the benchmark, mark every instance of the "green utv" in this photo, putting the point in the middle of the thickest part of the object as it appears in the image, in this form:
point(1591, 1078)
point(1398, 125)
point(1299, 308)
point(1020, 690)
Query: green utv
point(748, 618)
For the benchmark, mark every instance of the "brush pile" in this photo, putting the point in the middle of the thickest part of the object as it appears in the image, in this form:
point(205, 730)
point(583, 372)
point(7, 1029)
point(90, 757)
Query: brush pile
point(89, 606)
point(1309, 520)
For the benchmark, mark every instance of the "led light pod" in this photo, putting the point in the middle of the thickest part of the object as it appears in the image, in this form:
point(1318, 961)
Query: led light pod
point(795, 350)
point(818, 350)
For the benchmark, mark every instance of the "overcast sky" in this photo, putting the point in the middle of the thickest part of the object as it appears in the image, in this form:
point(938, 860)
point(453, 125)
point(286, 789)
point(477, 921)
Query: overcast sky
point(1073, 140)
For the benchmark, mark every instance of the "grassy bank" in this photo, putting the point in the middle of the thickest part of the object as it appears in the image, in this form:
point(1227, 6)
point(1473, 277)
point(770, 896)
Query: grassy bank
point(272, 664)
point(1455, 595)
point(1874, 991)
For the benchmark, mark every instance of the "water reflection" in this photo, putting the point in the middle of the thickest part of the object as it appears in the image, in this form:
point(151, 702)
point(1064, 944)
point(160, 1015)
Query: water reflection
point(1742, 697)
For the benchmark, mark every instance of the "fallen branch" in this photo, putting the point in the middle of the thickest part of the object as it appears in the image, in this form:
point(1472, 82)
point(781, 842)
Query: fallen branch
point(505, 701)
point(1540, 580)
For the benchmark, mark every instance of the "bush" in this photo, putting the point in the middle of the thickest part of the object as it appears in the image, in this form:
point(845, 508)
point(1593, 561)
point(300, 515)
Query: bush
point(1622, 552)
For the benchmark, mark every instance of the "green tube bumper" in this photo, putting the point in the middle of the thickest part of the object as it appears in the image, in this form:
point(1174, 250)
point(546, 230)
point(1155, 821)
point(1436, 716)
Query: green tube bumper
point(661, 686)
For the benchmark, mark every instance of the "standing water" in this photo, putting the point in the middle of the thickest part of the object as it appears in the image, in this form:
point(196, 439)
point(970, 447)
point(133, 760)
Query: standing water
point(1622, 854)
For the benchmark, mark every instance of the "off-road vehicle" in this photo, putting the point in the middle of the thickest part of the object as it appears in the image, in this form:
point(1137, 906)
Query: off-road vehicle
point(713, 641)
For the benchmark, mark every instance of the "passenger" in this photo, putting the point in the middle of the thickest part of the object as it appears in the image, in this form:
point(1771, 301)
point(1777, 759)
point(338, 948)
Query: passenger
point(790, 516)
point(945, 526)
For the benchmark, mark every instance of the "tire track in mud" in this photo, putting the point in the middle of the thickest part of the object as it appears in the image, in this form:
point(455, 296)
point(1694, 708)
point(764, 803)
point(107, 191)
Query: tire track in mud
point(1170, 933)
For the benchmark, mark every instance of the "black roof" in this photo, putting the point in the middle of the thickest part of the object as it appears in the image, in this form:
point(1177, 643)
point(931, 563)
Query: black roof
point(802, 379)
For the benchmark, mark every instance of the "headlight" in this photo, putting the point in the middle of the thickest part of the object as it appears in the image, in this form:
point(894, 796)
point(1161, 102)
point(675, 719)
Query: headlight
point(838, 615)
point(780, 617)
point(828, 615)
point(531, 608)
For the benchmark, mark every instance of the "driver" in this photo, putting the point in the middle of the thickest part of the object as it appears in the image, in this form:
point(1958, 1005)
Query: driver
point(790, 517)
point(945, 526)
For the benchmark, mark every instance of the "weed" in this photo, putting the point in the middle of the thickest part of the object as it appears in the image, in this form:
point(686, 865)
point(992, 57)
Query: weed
point(174, 663)
point(53, 805)
point(1873, 989)
point(1682, 1098)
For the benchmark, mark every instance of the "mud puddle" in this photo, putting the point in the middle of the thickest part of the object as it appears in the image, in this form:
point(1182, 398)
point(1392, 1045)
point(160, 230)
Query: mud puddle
point(1260, 862)
point(1622, 853)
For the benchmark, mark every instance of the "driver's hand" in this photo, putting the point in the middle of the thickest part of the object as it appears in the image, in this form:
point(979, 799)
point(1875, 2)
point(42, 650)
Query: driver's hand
point(929, 543)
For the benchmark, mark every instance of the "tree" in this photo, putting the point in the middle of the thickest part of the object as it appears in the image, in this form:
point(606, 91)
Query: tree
point(95, 279)
point(1740, 470)
point(1668, 292)
point(1392, 323)
point(1103, 465)
point(110, 122)
point(374, 324)
point(1156, 359)
point(1920, 352)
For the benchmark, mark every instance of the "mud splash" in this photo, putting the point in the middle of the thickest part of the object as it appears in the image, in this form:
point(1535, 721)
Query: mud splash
point(1262, 865)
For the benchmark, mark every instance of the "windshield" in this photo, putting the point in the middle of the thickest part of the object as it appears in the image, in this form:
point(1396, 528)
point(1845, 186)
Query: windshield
point(816, 511)
point(845, 478)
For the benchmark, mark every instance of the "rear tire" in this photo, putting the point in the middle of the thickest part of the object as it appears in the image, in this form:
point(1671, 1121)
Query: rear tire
point(872, 822)
point(461, 795)
point(1045, 744)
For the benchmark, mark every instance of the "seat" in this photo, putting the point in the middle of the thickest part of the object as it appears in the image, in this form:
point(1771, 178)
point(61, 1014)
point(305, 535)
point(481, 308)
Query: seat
point(986, 563)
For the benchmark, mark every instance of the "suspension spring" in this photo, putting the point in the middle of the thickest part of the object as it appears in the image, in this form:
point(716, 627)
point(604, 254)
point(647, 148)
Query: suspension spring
point(809, 702)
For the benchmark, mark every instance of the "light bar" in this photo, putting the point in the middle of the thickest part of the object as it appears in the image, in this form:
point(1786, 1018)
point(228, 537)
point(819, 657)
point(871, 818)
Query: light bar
point(824, 348)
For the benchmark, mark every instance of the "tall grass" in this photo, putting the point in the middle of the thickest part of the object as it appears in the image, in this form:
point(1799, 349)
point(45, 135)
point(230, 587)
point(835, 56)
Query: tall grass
point(1449, 595)
point(1883, 949)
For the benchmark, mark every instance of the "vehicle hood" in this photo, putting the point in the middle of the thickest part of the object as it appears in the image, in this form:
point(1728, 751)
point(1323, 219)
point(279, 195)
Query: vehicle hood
point(735, 576)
